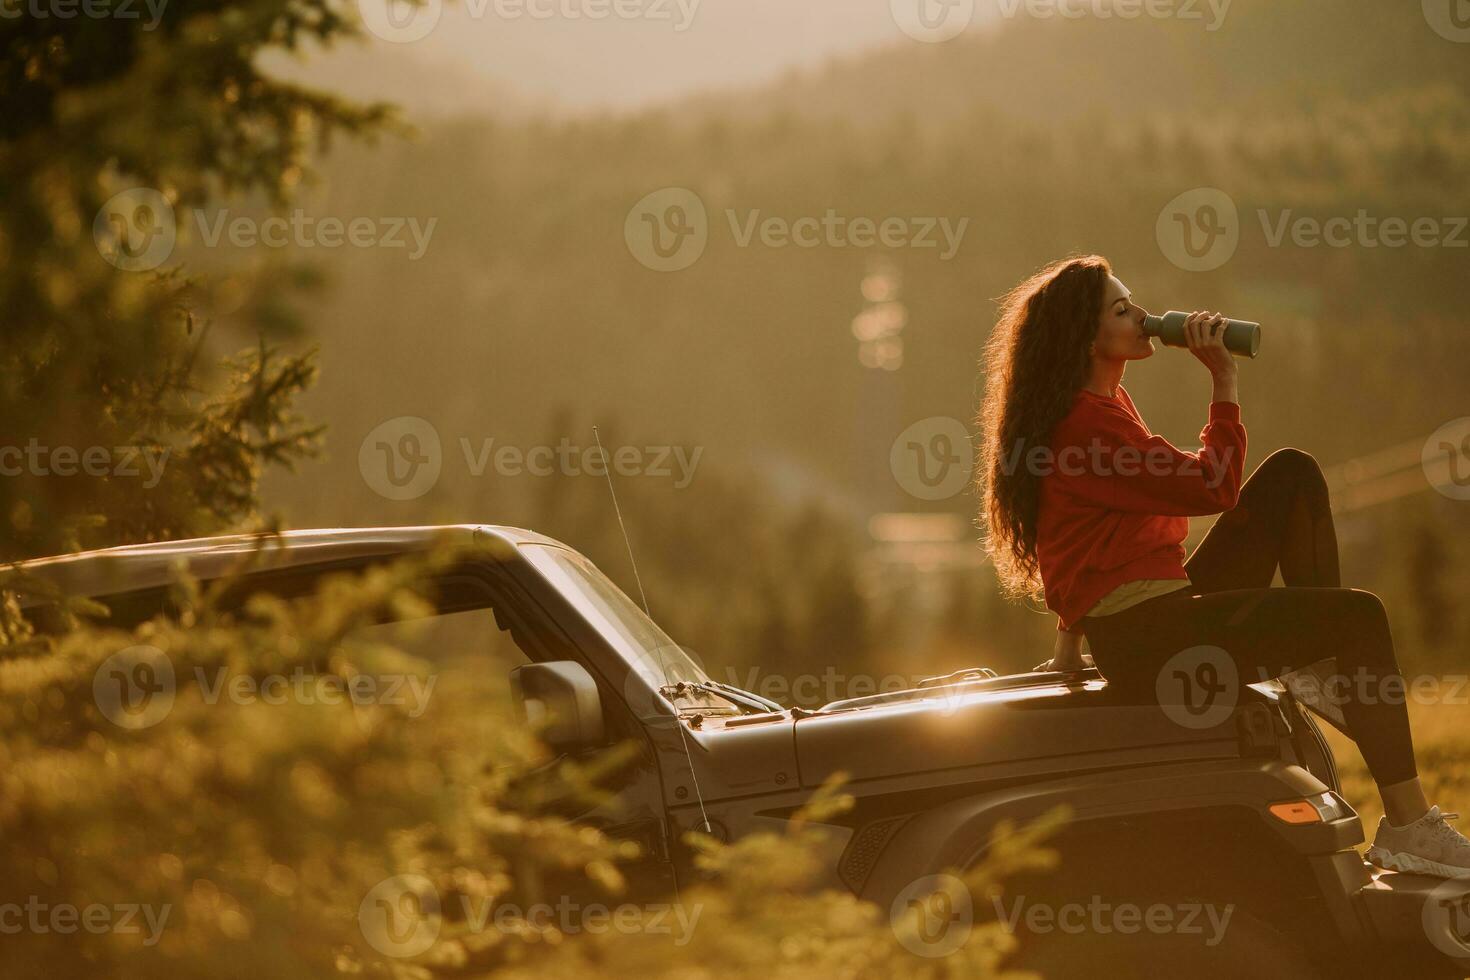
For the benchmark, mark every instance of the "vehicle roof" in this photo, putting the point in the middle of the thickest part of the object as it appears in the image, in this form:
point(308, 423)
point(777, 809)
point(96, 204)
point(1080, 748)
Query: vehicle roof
point(140, 566)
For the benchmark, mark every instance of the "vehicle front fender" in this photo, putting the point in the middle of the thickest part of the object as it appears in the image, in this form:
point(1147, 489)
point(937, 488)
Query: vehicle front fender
point(956, 833)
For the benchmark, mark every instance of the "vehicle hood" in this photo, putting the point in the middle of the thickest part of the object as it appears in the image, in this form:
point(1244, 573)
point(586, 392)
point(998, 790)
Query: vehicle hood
point(984, 729)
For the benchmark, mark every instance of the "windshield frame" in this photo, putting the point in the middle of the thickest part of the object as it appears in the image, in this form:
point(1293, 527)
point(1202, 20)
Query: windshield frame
point(639, 641)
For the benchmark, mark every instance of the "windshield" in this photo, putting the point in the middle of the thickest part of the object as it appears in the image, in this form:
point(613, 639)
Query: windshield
point(647, 648)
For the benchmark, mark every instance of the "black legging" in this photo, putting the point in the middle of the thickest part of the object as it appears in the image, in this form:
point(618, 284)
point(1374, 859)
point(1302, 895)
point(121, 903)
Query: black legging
point(1282, 519)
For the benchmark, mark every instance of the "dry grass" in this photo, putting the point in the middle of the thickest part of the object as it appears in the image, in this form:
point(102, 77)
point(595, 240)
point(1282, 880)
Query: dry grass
point(1441, 744)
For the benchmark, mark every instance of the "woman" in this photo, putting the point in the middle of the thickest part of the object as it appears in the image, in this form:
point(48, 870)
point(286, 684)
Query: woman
point(1088, 509)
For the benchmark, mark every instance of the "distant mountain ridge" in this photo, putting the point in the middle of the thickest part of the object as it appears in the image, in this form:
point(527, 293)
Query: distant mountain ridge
point(1263, 52)
point(1260, 55)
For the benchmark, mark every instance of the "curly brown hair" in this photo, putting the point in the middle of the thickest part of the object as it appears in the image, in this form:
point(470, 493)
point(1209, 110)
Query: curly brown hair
point(1035, 362)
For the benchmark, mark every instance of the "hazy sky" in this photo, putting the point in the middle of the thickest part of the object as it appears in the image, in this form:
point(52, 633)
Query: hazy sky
point(478, 50)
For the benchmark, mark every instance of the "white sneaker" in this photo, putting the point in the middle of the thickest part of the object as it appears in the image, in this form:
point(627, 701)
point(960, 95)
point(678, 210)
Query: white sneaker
point(1428, 846)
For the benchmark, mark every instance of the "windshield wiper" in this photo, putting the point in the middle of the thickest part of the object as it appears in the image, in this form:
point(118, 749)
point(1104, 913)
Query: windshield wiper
point(734, 695)
point(732, 689)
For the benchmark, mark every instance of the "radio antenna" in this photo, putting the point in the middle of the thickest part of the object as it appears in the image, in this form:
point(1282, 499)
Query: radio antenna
point(628, 543)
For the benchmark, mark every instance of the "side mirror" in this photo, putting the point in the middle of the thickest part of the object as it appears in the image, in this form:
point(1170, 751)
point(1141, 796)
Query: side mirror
point(560, 699)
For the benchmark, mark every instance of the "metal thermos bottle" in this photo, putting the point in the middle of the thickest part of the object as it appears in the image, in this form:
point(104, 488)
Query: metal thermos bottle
point(1242, 337)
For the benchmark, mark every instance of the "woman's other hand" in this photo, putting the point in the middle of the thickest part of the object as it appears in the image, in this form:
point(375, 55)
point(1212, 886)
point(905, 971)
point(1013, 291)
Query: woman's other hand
point(1067, 655)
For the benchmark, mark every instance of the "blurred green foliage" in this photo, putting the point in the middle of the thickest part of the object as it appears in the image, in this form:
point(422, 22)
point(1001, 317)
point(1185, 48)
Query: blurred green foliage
point(255, 835)
point(98, 356)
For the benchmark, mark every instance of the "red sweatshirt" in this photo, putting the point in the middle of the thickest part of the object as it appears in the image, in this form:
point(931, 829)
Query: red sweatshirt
point(1115, 499)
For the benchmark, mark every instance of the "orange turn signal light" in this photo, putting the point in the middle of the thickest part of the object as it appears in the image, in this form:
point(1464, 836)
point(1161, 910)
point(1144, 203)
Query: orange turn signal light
point(1297, 811)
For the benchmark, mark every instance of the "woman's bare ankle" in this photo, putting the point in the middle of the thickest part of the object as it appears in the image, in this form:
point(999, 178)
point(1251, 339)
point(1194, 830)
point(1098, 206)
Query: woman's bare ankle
point(1404, 802)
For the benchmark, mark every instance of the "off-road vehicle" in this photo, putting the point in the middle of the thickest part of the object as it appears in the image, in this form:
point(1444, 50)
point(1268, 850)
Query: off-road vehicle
point(1175, 807)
